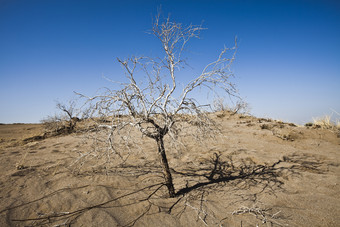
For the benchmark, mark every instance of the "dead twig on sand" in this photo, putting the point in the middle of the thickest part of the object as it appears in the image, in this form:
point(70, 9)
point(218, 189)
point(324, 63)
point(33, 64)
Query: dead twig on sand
point(259, 213)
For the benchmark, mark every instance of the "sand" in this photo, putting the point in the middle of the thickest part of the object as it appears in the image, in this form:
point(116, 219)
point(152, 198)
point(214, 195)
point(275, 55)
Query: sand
point(259, 172)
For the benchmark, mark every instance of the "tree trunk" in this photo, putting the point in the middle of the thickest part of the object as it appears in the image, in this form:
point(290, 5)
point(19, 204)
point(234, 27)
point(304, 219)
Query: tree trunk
point(166, 169)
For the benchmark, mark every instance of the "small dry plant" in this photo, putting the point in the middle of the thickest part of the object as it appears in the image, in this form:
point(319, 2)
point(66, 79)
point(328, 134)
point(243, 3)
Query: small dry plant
point(240, 107)
point(326, 122)
point(20, 164)
point(65, 122)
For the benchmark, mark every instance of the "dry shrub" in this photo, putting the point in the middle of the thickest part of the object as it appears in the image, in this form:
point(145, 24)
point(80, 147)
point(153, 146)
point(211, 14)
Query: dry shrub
point(240, 107)
point(57, 125)
point(326, 123)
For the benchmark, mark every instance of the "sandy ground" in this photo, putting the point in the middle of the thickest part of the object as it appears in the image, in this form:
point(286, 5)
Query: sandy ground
point(257, 173)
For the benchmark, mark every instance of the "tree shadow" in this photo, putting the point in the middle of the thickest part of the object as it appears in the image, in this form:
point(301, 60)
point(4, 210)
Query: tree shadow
point(213, 173)
point(69, 218)
point(218, 172)
point(241, 175)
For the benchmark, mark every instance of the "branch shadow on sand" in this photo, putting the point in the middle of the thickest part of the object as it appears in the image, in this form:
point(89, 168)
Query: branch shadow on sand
point(211, 175)
point(245, 174)
point(244, 179)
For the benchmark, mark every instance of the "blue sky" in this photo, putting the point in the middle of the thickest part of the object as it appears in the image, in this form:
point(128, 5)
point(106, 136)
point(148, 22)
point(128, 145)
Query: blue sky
point(287, 65)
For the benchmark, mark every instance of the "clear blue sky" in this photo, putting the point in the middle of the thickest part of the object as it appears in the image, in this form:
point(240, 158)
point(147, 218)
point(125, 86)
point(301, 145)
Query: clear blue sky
point(287, 66)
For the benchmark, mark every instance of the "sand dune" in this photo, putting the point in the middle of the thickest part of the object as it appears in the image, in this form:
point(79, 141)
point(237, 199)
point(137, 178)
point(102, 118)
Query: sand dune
point(258, 172)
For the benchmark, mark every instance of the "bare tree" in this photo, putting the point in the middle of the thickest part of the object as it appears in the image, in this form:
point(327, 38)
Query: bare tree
point(65, 121)
point(153, 103)
point(70, 113)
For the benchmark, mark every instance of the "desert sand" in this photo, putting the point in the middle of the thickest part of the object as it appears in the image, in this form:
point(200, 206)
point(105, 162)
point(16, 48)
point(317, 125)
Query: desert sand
point(258, 172)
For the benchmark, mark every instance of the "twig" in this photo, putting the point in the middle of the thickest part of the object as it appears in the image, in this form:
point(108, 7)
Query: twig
point(258, 213)
point(198, 213)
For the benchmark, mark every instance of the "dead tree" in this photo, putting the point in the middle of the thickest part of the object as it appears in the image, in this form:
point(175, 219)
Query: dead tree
point(151, 100)
point(69, 113)
point(65, 122)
